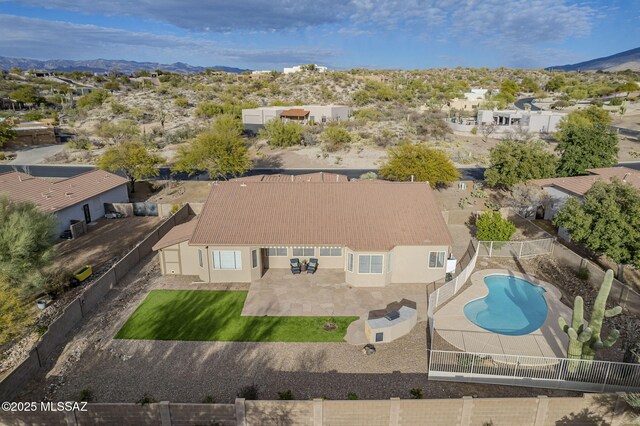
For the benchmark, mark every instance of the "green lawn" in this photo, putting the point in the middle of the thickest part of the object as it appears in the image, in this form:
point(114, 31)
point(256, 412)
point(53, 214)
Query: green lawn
point(215, 316)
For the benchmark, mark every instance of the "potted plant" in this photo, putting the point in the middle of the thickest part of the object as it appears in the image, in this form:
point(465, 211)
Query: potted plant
point(303, 265)
point(41, 304)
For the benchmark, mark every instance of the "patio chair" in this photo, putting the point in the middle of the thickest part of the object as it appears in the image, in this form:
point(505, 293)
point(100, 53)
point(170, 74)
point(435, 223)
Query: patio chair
point(295, 265)
point(313, 265)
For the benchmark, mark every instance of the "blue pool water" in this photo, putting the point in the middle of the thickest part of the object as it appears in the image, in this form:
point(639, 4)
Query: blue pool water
point(513, 306)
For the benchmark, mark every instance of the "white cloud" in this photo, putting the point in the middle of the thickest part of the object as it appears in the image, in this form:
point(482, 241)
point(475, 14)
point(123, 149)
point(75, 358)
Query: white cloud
point(42, 39)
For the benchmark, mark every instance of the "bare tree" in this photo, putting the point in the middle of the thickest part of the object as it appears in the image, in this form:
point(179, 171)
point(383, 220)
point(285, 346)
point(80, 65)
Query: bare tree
point(527, 198)
point(486, 131)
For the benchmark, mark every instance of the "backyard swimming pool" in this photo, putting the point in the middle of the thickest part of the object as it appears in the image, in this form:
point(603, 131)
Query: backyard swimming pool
point(513, 306)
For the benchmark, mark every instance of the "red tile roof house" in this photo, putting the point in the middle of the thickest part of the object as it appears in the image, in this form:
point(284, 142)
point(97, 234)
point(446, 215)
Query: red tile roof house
point(560, 189)
point(81, 197)
point(376, 232)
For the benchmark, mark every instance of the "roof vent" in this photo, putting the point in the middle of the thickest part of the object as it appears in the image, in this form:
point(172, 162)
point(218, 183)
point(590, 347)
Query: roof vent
point(390, 316)
point(68, 194)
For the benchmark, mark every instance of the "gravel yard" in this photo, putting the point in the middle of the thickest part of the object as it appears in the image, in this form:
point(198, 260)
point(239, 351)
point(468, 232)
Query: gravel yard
point(124, 370)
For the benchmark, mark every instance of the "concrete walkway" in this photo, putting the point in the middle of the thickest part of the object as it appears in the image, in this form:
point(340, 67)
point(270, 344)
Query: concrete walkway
point(547, 341)
point(325, 293)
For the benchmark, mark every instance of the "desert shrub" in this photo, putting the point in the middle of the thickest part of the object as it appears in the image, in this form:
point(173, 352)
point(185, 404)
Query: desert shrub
point(86, 395)
point(491, 226)
point(181, 102)
point(367, 114)
point(208, 399)
point(335, 138)
point(249, 392)
point(416, 393)
point(146, 399)
point(81, 143)
point(93, 99)
point(615, 102)
point(14, 313)
point(118, 108)
point(369, 176)
point(474, 131)
point(352, 396)
point(583, 274)
point(281, 134)
point(285, 395)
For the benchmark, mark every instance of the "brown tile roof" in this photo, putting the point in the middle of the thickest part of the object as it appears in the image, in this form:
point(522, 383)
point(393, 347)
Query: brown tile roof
point(294, 112)
point(307, 177)
point(579, 185)
point(54, 196)
point(177, 234)
point(361, 216)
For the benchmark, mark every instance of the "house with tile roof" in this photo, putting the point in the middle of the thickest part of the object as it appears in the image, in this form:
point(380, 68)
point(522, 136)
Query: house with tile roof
point(377, 233)
point(560, 189)
point(79, 198)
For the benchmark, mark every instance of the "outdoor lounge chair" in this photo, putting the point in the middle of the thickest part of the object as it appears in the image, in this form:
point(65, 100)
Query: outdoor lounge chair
point(313, 265)
point(295, 266)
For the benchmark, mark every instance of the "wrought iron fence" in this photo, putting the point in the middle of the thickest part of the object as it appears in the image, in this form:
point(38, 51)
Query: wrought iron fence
point(518, 370)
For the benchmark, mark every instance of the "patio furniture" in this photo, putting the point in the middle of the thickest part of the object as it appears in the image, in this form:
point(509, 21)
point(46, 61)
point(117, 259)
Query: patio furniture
point(313, 265)
point(295, 265)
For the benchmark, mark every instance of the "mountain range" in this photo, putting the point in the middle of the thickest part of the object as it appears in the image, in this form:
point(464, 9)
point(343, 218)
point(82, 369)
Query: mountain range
point(627, 60)
point(105, 65)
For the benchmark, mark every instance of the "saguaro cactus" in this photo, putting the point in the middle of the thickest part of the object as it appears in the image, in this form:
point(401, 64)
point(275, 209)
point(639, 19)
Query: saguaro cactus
point(584, 342)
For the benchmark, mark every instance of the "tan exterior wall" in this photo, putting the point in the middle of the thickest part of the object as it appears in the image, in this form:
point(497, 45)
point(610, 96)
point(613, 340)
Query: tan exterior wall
point(411, 264)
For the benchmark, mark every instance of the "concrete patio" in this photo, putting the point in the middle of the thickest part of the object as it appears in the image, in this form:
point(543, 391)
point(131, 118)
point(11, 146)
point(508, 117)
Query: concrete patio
point(325, 293)
point(549, 340)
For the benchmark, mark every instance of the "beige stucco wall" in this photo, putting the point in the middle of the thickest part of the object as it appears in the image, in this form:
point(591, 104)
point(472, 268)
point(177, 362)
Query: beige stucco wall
point(411, 264)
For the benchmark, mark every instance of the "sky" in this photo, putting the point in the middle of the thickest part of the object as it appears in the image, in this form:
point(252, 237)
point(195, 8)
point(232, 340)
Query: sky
point(342, 34)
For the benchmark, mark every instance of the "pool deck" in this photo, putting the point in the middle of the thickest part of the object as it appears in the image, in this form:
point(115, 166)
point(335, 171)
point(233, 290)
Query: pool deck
point(547, 341)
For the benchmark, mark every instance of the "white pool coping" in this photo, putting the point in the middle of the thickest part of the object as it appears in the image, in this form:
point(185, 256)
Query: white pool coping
point(547, 341)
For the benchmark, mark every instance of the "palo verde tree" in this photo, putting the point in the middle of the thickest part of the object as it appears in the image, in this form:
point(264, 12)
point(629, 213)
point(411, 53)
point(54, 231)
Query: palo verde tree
point(513, 162)
point(26, 243)
point(133, 159)
point(220, 151)
point(607, 221)
point(420, 163)
point(281, 134)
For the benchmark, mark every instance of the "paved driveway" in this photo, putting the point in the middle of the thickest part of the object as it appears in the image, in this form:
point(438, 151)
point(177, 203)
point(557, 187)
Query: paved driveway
point(280, 293)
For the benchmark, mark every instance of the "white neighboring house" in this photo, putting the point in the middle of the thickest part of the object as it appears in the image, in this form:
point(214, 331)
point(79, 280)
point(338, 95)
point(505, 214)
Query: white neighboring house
point(254, 119)
point(476, 94)
point(80, 198)
point(534, 121)
point(299, 68)
point(560, 189)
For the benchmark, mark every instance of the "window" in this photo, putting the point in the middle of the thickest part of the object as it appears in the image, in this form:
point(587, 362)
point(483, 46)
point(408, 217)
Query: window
point(379, 337)
point(370, 264)
point(304, 251)
point(389, 258)
point(330, 251)
point(436, 259)
point(350, 262)
point(254, 258)
point(227, 259)
point(278, 251)
point(200, 258)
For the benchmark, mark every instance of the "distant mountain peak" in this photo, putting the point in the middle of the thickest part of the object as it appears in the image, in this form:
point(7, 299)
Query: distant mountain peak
point(104, 65)
point(629, 59)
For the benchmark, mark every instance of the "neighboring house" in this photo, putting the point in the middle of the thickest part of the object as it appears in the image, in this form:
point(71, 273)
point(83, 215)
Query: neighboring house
point(476, 94)
point(299, 68)
point(254, 119)
point(377, 232)
point(463, 104)
point(31, 133)
point(560, 189)
point(534, 121)
point(80, 198)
